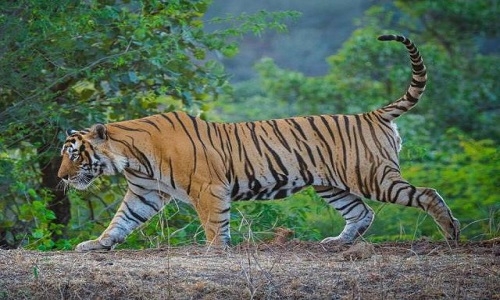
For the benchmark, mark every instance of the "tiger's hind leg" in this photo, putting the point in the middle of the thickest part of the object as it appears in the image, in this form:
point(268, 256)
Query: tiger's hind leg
point(213, 209)
point(401, 192)
point(357, 214)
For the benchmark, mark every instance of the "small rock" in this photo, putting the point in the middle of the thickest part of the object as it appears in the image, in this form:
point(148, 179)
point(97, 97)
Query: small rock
point(359, 250)
point(281, 235)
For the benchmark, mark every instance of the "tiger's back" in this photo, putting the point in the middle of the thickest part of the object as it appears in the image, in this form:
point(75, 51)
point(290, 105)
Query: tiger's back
point(273, 159)
point(259, 160)
point(208, 164)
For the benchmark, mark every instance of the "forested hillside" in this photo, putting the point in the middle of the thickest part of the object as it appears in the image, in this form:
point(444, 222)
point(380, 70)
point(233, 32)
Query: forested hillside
point(66, 64)
point(308, 40)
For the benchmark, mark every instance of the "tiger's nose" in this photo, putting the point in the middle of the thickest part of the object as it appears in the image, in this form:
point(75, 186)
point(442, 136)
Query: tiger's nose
point(63, 175)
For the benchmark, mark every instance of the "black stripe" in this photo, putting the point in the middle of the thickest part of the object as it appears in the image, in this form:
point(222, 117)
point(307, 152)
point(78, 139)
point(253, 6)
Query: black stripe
point(166, 117)
point(136, 185)
point(297, 127)
point(251, 127)
point(148, 121)
point(276, 157)
point(369, 123)
point(128, 217)
point(279, 135)
point(190, 139)
point(316, 130)
point(303, 169)
point(225, 210)
point(332, 165)
point(235, 189)
point(139, 155)
point(356, 136)
point(134, 214)
point(391, 189)
point(138, 174)
point(127, 128)
point(238, 142)
point(226, 140)
point(171, 168)
point(146, 202)
point(343, 166)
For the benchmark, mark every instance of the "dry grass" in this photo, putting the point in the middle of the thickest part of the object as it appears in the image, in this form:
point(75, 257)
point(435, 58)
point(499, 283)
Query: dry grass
point(289, 270)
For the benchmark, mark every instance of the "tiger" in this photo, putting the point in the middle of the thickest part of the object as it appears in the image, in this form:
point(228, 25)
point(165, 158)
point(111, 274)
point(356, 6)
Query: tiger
point(173, 155)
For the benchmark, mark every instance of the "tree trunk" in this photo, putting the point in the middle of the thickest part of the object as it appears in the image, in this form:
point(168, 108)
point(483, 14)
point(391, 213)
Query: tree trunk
point(60, 205)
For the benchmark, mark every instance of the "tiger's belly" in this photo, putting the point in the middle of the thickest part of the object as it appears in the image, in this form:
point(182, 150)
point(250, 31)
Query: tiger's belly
point(266, 193)
point(268, 189)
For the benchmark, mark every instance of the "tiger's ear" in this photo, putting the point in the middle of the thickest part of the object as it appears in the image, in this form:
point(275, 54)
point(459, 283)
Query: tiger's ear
point(69, 132)
point(99, 132)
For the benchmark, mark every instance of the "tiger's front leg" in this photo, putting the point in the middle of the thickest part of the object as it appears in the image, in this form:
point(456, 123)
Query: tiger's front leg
point(134, 211)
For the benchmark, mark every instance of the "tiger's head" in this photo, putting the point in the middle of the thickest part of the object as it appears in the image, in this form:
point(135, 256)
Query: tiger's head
point(86, 156)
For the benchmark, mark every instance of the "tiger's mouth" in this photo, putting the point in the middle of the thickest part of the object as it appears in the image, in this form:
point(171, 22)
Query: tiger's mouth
point(79, 182)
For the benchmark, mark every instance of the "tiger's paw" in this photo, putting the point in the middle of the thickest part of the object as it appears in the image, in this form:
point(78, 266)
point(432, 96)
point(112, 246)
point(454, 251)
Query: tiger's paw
point(218, 247)
point(339, 240)
point(351, 232)
point(93, 245)
point(453, 230)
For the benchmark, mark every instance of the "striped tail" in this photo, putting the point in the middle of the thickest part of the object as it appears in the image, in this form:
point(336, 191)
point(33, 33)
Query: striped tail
point(417, 85)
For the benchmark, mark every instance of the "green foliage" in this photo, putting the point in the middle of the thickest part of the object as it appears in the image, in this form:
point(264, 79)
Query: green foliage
point(463, 78)
point(468, 180)
point(255, 23)
point(446, 20)
point(27, 207)
point(29, 210)
point(176, 224)
point(255, 221)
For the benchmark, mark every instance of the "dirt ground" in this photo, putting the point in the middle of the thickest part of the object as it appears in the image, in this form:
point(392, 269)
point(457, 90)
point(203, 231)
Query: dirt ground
point(279, 270)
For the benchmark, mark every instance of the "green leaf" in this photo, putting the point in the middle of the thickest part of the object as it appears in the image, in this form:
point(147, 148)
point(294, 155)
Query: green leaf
point(38, 234)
